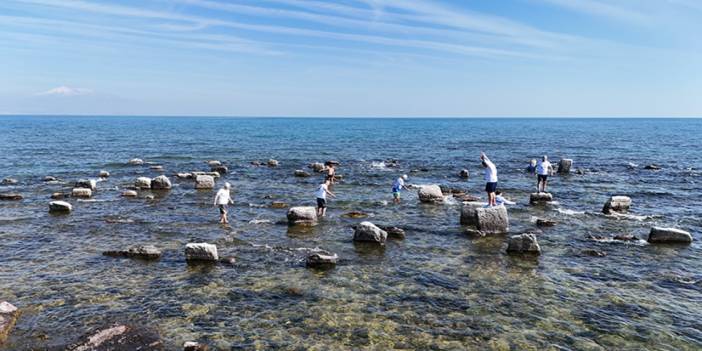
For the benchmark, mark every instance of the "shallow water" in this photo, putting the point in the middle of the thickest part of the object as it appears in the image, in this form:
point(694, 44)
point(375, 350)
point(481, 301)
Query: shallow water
point(437, 289)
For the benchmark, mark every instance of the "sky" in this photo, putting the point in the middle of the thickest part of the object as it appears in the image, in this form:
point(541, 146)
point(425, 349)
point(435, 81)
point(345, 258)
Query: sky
point(352, 58)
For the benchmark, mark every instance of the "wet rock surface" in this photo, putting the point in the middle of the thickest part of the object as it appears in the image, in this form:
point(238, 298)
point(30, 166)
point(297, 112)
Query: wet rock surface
point(321, 259)
point(204, 182)
point(369, 232)
point(160, 183)
point(430, 194)
point(60, 207)
point(8, 318)
point(144, 252)
point(201, 252)
point(523, 244)
point(540, 198)
point(660, 235)
point(620, 204)
point(302, 215)
point(492, 220)
point(143, 183)
point(11, 197)
point(119, 337)
point(564, 166)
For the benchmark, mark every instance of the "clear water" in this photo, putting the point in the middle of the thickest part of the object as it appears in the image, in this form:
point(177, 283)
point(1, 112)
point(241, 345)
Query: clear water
point(437, 289)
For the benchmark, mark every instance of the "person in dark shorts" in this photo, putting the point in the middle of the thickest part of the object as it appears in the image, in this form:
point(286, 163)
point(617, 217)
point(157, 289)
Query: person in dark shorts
point(222, 200)
point(321, 194)
point(490, 178)
point(543, 170)
point(330, 168)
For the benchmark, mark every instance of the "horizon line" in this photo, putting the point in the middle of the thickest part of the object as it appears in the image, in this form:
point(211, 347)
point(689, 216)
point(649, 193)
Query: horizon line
point(2, 115)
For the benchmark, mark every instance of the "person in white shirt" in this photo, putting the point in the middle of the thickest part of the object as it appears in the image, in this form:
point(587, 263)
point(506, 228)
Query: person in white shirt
point(490, 178)
point(222, 200)
point(500, 200)
point(397, 187)
point(543, 170)
point(321, 193)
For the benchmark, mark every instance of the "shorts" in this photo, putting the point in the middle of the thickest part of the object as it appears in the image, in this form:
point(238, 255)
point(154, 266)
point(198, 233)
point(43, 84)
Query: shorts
point(542, 177)
point(396, 194)
point(329, 177)
point(222, 209)
point(491, 187)
point(321, 203)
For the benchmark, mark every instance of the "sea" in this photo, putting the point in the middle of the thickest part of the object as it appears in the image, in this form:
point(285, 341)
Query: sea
point(438, 289)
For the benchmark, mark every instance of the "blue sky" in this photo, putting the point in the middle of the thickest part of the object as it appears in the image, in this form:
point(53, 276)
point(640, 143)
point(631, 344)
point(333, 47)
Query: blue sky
point(352, 57)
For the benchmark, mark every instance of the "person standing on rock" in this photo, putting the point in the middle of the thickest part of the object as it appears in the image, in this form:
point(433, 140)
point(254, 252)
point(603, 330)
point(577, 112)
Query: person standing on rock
point(222, 200)
point(321, 193)
point(490, 178)
point(397, 187)
point(543, 170)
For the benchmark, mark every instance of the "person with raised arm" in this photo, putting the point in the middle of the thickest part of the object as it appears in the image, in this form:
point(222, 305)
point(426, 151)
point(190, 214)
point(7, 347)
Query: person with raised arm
point(490, 178)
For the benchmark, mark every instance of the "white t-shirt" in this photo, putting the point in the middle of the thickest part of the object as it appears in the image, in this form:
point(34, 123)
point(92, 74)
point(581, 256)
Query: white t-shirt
point(543, 167)
point(399, 183)
point(490, 171)
point(321, 192)
point(222, 197)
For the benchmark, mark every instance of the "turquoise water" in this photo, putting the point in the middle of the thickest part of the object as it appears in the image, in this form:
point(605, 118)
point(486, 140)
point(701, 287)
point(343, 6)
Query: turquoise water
point(437, 289)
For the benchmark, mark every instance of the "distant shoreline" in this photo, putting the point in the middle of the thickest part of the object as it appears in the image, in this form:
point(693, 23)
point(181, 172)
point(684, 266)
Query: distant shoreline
point(354, 117)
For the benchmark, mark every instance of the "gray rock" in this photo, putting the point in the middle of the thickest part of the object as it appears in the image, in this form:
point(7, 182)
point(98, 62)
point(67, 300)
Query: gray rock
point(58, 196)
point(523, 243)
point(564, 165)
point(316, 166)
point(201, 252)
point(542, 222)
point(321, 259)
point(221, 169)
point(136, 162)
point(278, 204)
point(430, 194)
point(213, 163)
point(540, 198)
point(302, 215)
point(104, 174)
point(129, 193)
point(161, 183)
point(204, 182)
point(9, 181)
point(86, 183)
point(355, 214)
point(272, 163)
point(301, 173)
point(492, 220)
point(144, 252)
point(652, 167)
point(468, 215)
point(143, 183)
point(593, 253)
point(50, 179)
point(8, 317)
point(619, 204)
point(81, 192)
point(119, 337)
point(464, 174)
point(184, 175)
point(369, 232)
point(156, 168)
point(394, 232)
point(10, 197)
point(669, 235)
point(59, 206)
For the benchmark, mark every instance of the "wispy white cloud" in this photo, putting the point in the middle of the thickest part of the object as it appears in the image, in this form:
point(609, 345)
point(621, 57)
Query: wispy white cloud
point(609, 9)
point(65, 91)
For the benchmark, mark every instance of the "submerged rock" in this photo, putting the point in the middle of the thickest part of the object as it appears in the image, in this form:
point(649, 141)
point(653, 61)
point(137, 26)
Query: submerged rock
point(447, 190)
point(201, 252)
point(278, 204)
point(145, 252)
point(540, 198)
point(204, 182)
point(625, 237)
point(523, 243)
point(466, 197)
point(59, 206)
point(430, 194)
point(213, 163)
point(104, 174)
point(161, 183)
point(355, 214)
point(119, 337)
point(492, 220)
point(81, 192)
point(272, 163)
point(86, 183)
point(10, 197)
point(57, 196)
point(256, 163)
point(156, 168)
point(542, 222)
point(143, 183)
point(653, 167)
point(50, 179)
point(130, 193)
point(8, 317)
point(393, 232)
point(9, 181)
point(619, 204)
point(369, 232)
point(301, 173)
point(221, 169)
point(302, 215)
point(669, 235)
point(464, 174)
point(593, 253)
point(136, 162)
point(564, 165)
point(184, 175)
point(321, 259)
point(468, 216)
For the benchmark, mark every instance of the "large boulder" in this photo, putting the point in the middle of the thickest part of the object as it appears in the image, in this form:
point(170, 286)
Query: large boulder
point(119, 337)
point(201, 252)
point(316, 166)
point(564, 165)
point(669, 235)
point(81, 192)
point(59, 207)
point(430, 194)
point(540, 198)
point(160, 183)
point(321, 259)
point(204, 182)
point(369, 232)
point(144, 252)
point(136, 162)
point(523, 243)
point(8, 317)
point(492, 220)
point(468, 216)
point(143, 183)
point(10, 197)
point(302, 215)
point(619, 204)
point(86, 183)
point(393, 232)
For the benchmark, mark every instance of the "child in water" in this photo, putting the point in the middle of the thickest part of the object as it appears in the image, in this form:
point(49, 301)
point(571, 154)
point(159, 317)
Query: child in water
point(500, 200)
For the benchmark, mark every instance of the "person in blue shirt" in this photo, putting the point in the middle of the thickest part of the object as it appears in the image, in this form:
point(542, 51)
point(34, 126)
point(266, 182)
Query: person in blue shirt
point(397, 187)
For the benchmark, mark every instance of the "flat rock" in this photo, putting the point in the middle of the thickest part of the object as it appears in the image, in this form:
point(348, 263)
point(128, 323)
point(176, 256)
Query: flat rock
point(653, 167)
point(8, 317)
point(10, 197)
point(619, 204)
point(564, 166)
point(540, 198)
point(104, 174)
point(492, 220)
point(86, 183)
point(321, 259)
point(393, 232)
point(60, 206)
point(302, 215)
point(184, 175)
point(524, 244)
point(143, 183)
point(369, 232)
point(300, 173)
point(201, 252)
point(211, 174)
point(119, 337)
point(81, 192)
point(129, 193)
point(144, 252)
point(204, 182)
point(430, 194)
point(669, 235)
point(278, 204)
point(161, 183)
